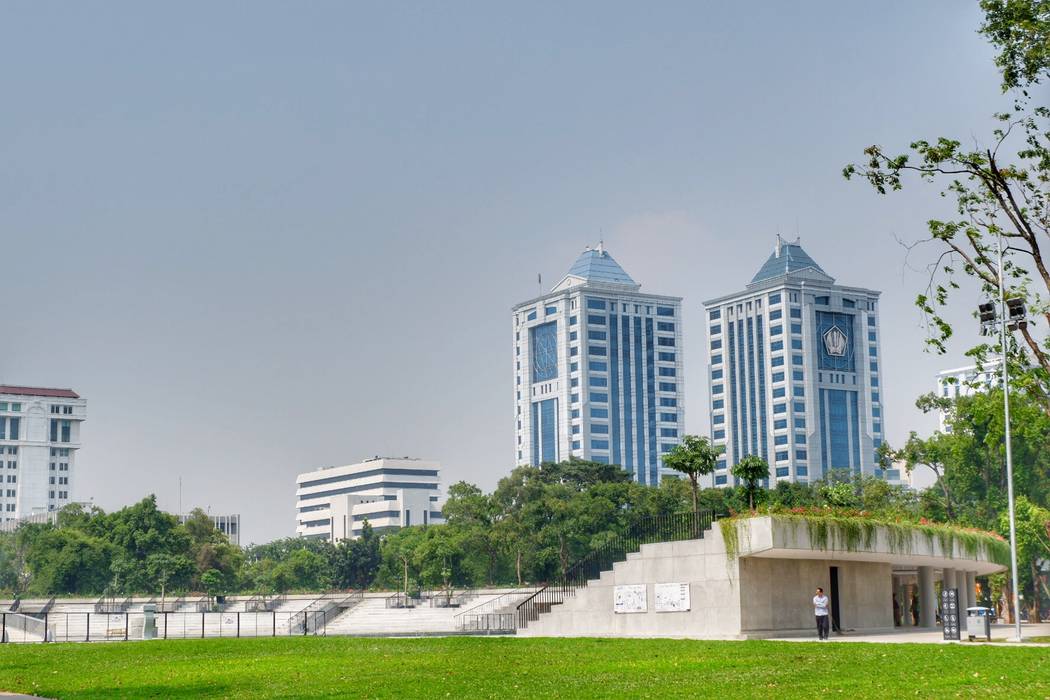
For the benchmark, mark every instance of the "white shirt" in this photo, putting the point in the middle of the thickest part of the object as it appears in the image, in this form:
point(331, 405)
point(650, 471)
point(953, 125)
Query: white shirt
point(820, 605)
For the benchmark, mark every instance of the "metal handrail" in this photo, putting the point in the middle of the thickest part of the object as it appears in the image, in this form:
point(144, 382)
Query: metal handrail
point(452, 599)
point(491, 606)
point(301, 621)
point(401, 600)
point(171, 605)
point(658, 528)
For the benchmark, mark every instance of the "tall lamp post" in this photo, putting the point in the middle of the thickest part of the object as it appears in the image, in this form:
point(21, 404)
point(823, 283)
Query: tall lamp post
point(1011, 314)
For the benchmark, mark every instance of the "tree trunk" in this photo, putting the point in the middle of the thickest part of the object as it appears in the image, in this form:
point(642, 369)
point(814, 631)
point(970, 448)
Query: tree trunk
point(517, 565)
point(1033, 611)
point(692, 481)
point(404, 560)
point(947, 494)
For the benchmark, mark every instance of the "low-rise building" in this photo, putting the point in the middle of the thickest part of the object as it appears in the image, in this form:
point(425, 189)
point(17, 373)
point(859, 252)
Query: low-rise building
point(333, 503)
point(966, 381)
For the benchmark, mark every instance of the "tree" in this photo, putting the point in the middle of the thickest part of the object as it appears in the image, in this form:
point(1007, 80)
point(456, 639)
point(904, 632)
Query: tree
point(693, 457)
point(934, 453)
point(356, 561)
point(213, 582)
point(302, 570)
point(68, 561)
point(169, 570)
point(996, 196)
point(1020, 29)
point(1033, 547)
point(751, 470)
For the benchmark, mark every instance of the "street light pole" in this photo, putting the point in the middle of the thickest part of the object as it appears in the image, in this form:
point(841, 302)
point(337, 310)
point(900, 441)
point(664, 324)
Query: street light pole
point(1009, 452)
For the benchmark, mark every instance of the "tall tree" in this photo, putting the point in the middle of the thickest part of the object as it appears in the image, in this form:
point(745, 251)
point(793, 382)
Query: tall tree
point(694, 456)
point(751, 470)
point(996, 196)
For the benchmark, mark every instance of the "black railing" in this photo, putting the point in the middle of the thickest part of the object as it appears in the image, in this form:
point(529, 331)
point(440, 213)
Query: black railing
point(496, 614)
point(657, 528)
point(403, 600)
point(314, 618)
point(109, 604)
point(171, 604)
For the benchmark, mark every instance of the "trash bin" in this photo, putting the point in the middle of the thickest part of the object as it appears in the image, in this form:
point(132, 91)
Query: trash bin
point(979, 623)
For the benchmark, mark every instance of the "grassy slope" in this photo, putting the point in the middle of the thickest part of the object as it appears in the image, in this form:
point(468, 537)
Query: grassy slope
point(508, 668)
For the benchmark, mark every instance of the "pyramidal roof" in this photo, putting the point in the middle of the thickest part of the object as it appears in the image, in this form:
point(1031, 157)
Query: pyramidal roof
point(788, 258)
point(596, 265)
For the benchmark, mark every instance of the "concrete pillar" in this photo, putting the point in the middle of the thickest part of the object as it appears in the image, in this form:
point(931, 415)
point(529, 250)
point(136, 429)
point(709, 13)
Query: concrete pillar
point(971, 588)
point(949, 580)
point(927, 598)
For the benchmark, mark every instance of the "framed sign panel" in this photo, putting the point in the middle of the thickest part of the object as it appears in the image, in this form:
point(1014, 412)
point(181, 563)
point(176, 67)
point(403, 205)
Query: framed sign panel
point(630, 598)
point(672, 597)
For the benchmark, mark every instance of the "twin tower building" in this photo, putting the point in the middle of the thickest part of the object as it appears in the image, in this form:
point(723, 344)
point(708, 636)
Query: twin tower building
point(793, 371)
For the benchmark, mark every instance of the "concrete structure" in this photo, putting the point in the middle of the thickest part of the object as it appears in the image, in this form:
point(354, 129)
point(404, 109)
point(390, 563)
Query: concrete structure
point(966, 381)
point(229, 525)
point(765, 589)
point(333, 503)
point(598, 371)
point(39, 439)
point(794, 372)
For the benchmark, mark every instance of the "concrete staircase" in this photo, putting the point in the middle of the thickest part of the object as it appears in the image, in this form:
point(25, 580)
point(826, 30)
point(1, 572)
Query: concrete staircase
point(371, 617)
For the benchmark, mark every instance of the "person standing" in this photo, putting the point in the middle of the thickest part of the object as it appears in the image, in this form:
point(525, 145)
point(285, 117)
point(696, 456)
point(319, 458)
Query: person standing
point(820, 609)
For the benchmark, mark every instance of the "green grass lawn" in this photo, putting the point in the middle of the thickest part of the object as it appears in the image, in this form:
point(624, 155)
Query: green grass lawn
point(468, 667)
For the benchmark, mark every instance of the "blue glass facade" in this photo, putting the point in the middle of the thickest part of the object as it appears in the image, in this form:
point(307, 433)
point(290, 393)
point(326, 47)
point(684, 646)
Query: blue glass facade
point(791, 377)
point(625, 407)
point(835, 340)
point(544, 351)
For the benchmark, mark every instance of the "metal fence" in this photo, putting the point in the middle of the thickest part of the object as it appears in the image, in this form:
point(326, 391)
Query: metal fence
point(124, 626)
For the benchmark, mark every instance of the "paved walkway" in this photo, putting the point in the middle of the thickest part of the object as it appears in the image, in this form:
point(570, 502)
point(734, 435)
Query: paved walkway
point(913, 635)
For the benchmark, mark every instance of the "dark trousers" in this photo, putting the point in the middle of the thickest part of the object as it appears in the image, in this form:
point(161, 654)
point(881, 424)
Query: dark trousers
point(822, 626)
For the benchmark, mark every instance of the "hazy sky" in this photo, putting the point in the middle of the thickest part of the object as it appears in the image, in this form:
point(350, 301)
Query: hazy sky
point(261, 238)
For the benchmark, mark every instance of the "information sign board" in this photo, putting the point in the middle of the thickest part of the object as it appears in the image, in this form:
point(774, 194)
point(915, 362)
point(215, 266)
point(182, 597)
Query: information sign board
point(629, 598)
point(671, 597)
point(950, 613)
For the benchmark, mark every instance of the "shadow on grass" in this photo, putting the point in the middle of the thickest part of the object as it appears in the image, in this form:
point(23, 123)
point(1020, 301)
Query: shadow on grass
point(187, 690)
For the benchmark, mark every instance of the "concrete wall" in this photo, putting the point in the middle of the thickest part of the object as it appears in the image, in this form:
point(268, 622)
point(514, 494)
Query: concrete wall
point(766, 590)
point(777, 594)
point(713, 590)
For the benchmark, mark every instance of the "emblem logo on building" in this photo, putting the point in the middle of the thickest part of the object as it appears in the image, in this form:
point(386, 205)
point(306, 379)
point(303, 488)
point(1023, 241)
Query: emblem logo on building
point(835, 342)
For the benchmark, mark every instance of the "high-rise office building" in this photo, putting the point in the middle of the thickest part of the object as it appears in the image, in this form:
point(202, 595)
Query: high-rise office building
point(598, 371)
point(794, 372)
point(39, 439)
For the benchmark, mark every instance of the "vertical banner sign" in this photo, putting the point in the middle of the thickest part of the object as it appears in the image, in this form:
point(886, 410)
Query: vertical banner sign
point(950, 614)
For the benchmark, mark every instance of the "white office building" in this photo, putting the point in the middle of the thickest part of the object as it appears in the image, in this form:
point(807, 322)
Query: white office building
point(967, 381)
point(333, 503)
point(795, 374)
point(39, 439)
point(598, 371)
